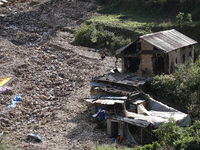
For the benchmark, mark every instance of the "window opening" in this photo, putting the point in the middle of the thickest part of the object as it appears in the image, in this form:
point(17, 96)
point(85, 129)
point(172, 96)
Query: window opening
point(139, 46)
point(183, 58)
point(190, 54)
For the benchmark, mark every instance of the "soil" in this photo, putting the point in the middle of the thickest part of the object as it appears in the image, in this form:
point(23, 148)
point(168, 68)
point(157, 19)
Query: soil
point(50, 74)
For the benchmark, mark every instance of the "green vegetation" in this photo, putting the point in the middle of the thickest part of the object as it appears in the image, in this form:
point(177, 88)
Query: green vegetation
point(154, 146)
point(182, 87)
point(171, 135)
point(127, 20)
point(92, 36)
point(123, 21)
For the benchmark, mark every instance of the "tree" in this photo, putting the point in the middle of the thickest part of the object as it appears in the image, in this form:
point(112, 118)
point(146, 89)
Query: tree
point(180, 18)
point(189, 18)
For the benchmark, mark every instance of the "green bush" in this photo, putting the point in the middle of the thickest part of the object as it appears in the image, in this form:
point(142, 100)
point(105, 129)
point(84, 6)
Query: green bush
point(182, 87)
point(154, 146)
point(169, 132)
point(172, 135)
point(92, 36)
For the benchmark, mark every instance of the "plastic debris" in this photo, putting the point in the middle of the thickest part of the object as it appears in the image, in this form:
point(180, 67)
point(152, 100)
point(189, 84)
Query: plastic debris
point(113, 139)
point(3, 81)
point(4, 89)
point(15, 100)
point(35, 137)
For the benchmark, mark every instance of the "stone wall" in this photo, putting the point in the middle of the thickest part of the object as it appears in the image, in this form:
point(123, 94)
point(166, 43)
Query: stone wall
point(145, 45)
point(146, 63)
point(176, 56)
point(173, 57)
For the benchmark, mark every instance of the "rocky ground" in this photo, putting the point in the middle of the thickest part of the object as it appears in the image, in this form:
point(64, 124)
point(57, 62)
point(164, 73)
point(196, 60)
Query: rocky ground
point(50, 73)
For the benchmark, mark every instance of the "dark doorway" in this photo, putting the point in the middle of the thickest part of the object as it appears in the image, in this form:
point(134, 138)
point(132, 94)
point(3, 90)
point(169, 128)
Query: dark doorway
point(158, 64)
point(114, 129)
point(131, 64)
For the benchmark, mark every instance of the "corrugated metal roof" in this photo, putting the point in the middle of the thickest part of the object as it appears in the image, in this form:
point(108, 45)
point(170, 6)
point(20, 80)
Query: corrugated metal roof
point(168, 40)
point(136, 122)
point(122, 79)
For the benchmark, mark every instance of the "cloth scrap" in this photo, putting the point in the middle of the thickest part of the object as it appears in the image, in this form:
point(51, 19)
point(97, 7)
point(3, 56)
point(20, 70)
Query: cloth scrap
point(3, 81)
point(4, 89)
point(15, 100)
point(101, 114)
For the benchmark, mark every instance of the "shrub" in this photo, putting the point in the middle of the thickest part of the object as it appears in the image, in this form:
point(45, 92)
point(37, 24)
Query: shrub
point(154, 146)
point(180, 138)
point(182, 87)
point(169, 132)
point(91, 36)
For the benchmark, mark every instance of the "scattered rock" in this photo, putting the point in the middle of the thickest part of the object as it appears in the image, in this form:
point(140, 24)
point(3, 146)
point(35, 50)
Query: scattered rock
point(49, 73)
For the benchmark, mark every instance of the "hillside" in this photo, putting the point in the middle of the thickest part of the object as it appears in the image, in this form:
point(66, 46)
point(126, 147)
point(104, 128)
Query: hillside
point(122, 21)
point(50, 74)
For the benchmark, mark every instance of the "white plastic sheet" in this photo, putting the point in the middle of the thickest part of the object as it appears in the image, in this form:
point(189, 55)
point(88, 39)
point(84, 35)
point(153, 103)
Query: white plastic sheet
point(158, 113)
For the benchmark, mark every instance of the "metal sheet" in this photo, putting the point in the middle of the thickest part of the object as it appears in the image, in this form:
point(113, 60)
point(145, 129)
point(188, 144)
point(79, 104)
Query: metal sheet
point(123, 79)
point(105, 101)
point(167, 41)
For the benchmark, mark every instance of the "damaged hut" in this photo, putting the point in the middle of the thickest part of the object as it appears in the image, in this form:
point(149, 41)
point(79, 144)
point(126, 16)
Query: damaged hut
point(129, 112)
point(156, 53)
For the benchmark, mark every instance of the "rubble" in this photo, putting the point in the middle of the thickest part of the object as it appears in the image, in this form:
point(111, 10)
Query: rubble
point(51, 75)
point(130, 113)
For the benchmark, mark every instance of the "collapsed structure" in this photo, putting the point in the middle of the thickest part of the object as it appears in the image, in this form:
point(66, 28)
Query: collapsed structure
point(130, 112)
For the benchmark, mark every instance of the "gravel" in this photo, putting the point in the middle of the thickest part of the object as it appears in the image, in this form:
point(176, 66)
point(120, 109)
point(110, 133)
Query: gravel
point(50, 73)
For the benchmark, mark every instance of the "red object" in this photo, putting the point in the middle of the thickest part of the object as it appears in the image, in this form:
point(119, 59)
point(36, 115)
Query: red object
point(119, 138)
point(25, 145)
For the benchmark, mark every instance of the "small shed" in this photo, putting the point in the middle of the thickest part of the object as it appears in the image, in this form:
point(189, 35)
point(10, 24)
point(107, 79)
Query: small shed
point(156, 53)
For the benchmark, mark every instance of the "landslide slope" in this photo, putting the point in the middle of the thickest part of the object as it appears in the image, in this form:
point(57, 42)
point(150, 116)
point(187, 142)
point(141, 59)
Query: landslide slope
point(50, 74)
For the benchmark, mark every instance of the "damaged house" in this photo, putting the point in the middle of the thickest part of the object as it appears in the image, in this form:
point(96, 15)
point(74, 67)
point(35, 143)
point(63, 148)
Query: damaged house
point(120, 98)
point(129, 112)
point(156, 53)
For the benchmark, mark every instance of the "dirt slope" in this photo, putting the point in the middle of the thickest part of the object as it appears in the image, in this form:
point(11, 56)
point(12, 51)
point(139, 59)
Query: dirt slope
point(50, 74)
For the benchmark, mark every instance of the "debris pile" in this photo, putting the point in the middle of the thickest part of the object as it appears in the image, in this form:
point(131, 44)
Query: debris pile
point(129, 112)
point(51, 75)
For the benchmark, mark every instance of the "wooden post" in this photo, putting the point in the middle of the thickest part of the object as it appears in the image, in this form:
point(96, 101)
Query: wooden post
point(141, 136)
point(151, 135)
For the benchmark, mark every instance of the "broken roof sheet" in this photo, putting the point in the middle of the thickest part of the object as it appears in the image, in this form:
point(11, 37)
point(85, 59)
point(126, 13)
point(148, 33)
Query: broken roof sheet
point(158, 113)
point(133, 121)
point(123, 79)
point(105, 101)
point(168, 40)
